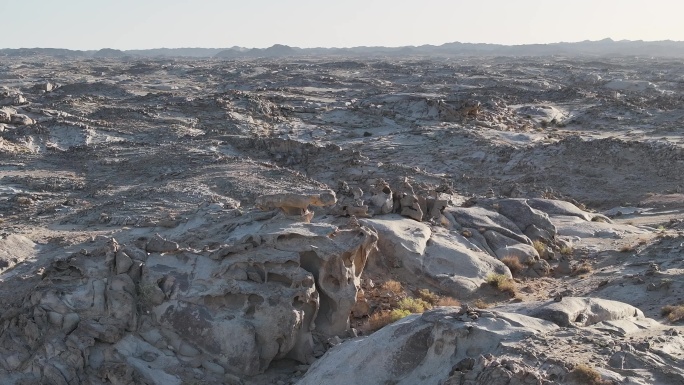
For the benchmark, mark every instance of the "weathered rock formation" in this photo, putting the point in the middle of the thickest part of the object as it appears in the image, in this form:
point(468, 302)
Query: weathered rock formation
point(499, 346)
point(122, 314)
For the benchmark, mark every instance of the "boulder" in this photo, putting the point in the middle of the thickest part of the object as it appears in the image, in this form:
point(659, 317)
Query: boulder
point(482, 219)
point(15, 249)
point(382, 198)
point(444, 258)
point(578, 311)
point(520, 213)
point(408, 203)
point(5, 116)
point(21, 120)
point(556, 207)
point(420, 349)
point(160, 245)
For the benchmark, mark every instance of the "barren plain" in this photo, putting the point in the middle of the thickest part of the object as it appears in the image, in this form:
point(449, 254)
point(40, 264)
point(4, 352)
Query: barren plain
point(311, 221)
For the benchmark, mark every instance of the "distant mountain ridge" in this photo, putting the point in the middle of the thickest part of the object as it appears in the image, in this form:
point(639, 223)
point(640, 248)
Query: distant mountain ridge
point(605, 47)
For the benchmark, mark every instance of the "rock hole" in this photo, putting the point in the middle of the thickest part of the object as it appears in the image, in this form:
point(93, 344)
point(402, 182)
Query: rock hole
point(274, 277)
point(255, 299)
point(334, 282)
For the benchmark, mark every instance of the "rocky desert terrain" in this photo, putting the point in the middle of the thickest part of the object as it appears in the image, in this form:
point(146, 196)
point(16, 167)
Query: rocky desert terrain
point(328, 220)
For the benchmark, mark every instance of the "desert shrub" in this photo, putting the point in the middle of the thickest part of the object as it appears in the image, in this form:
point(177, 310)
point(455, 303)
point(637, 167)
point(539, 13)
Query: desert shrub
point(513, 264)
point(673, 313)
point(481, 304)
point(566, 250)
point(539, 246)
point(393, 286)
point(627, 248)
point(586, 375)
point(428, 296)
point(503, 284)
point(584, 268)
point(413, 305)
point(448, 301)
point(385, 317)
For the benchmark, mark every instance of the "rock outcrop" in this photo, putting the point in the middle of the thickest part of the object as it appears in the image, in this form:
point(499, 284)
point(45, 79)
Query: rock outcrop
point(499, 346)
point(119, 313)
point(446, 259)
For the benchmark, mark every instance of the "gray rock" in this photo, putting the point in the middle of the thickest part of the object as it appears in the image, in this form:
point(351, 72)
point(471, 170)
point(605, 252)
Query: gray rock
point(578, 311)
point(556, 207)
point(5, 117)
point(445, 258)
point(160, 245)
point(419, 349)
point(481, 218)
point(520, 213)
point(21, 120)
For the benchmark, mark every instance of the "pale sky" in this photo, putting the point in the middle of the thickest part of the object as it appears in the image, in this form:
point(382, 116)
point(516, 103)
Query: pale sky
point(137, 24)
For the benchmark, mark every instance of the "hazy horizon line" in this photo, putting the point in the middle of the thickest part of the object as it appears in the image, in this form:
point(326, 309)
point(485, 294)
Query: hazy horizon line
point(351, 47)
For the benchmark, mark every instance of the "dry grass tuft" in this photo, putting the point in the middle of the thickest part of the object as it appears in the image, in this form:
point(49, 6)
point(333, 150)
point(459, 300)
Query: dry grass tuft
point(481, 304)
point(448, 301)
point(513, 264)
point(393, 286)
point(627, 248)
point(586, 375)
point(539, 246)
point(386, 317)
point(566, 250)
point(437, 300)
point(673, 313)
point(503, 284)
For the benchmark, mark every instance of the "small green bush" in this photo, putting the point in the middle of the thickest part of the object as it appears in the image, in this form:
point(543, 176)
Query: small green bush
point(428, 296)
point(414, 305)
